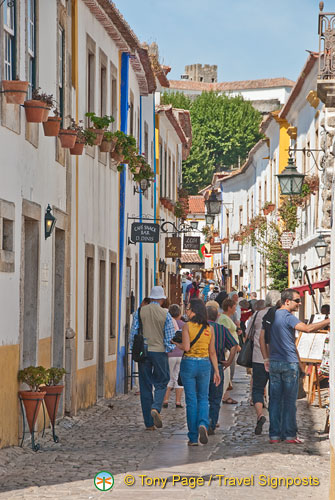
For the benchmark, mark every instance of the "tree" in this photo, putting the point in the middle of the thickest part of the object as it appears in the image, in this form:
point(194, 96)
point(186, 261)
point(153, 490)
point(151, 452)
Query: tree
point(177, 99)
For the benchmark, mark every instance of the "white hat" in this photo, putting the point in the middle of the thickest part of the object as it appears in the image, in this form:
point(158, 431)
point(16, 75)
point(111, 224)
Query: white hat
point(157, 293)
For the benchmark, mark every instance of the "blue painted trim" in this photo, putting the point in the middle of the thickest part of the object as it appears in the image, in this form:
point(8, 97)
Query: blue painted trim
point(123, 179)
point(155, 190)
point(141, 213)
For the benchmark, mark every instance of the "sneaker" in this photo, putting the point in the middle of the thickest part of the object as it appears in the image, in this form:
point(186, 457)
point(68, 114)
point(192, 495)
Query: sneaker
point(259, 426)
point(190, 443)
point(203, 436)
point(274, 441)
point(210, 432)
point(157, 418)
point(294, 441)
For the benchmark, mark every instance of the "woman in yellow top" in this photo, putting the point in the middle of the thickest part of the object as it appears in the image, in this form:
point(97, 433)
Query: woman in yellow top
point(195, 370)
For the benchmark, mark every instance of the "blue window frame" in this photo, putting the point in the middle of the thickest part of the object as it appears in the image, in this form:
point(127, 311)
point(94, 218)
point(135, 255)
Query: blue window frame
point(31, 46)
point(9, 40)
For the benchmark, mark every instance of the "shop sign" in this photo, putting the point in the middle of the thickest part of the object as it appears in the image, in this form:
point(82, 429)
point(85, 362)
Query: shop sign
point(191, 243)
point(287, 239)
point(172, 247)
point(142, 232)
point(216, 248)
point(234, 256)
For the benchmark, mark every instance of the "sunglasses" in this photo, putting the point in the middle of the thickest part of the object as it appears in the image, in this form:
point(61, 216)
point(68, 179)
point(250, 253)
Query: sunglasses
point(297, 301)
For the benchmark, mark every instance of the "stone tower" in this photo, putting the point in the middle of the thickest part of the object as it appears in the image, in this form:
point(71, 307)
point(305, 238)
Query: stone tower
point(200, 73)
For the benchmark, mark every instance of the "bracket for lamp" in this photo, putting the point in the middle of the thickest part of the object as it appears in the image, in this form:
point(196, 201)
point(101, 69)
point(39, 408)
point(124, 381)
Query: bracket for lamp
point(310, 153)
point(9, 4)
point(229, 210)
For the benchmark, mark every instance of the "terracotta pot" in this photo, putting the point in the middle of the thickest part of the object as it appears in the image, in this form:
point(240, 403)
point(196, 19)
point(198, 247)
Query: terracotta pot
point(224, 241)
point(35, 111)
point(67, 138)
point(52, 126)
point(15, 91)
point(106, 146)
point(46, 113)
point(32, 402)
point(77, 149)
point(118, 157)
point(51, 399)
point(100, 135)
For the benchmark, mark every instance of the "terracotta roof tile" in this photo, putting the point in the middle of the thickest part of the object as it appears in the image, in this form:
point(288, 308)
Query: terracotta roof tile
point(196, 205)
point(191, 258)
point(230, 86)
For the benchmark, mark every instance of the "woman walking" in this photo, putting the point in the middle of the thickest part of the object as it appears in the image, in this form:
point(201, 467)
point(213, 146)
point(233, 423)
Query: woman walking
point(195, 370)
point(174, 361)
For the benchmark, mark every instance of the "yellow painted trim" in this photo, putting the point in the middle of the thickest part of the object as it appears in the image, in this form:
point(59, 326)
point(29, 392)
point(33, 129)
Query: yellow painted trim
point(284, 144)
point(75, 44)
point(86, 386)
point(9, 403)
point(75, 77)
point(332, 474)
point(110, 379)
point(119, 177)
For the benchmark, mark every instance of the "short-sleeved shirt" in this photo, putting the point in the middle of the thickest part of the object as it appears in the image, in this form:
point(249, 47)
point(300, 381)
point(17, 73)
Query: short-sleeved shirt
point(282, 340)
point(223, 340)
point(228, 323)
point(201, 347)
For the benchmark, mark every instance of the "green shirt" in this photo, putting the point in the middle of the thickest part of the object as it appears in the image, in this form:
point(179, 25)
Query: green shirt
point(229, 324)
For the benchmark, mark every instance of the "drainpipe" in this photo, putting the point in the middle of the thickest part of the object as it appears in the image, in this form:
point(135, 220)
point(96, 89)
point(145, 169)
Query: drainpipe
point(155, 190)
point(141, 213)
point(121, 350)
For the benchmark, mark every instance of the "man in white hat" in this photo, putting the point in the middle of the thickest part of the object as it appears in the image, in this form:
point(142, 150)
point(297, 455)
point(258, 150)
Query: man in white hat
point(158, 330)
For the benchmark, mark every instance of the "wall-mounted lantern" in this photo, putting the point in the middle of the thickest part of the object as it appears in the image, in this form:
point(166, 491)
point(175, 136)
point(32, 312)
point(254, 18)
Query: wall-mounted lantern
point(49, 222)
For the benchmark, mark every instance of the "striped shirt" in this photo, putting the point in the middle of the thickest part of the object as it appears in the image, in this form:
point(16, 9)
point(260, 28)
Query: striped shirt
point(223, 340)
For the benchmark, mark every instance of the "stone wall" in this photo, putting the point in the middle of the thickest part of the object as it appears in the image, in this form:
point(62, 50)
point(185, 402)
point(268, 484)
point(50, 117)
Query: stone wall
point(200, 73)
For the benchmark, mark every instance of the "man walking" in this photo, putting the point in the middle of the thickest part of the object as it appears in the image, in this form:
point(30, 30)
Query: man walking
point(283, 365)
point(158, 331)
point(223, 340)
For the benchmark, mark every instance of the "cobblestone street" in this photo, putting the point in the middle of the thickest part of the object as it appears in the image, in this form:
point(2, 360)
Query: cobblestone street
point(111, 436)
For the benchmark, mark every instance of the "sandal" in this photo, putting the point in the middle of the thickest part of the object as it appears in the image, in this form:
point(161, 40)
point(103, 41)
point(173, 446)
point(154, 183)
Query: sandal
point(165, 405)
point(259, 426)
point(229, 401)
point(179, 405)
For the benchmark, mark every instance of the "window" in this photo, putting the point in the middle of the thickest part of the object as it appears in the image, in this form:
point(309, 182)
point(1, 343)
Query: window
point(259, 197)
point(90, 75)
point(146, 277)
point(113, 84)
point(146, 141)
point(31, 46)
point(89, 297)
point(173, 181)
point(9, 41)
point(112, 305)
point(160, 169)
point(131, 115)
point(60, 69)
point(227, 224)
point(7, 215)
point(165, 174)
point(169, 178)
point(241, 217)
point(103, 90)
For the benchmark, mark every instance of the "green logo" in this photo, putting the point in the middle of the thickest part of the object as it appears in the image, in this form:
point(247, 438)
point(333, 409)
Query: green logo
point(104, 481)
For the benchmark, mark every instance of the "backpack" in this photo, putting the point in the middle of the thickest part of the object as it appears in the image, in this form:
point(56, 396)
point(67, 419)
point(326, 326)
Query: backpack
point(139, 350)
point(267, 322)
point(194, 292)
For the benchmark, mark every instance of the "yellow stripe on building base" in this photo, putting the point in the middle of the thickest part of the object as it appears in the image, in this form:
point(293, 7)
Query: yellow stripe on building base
point(9, 402)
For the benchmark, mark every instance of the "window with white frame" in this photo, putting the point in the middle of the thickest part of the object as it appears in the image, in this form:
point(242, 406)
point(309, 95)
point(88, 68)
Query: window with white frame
point(31, 45)
point(113, 84)
point(60, 70)
point(9, 40)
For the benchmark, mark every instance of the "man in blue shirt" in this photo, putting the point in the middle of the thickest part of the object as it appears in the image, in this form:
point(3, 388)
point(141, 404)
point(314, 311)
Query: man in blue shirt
point(283, 366)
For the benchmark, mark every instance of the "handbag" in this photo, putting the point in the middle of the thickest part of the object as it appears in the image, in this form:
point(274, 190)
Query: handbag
point(245, 356)
point(139, 350)
point(179, 381)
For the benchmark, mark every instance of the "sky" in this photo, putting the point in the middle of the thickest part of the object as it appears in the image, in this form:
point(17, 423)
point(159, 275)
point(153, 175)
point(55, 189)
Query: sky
point(246, 39)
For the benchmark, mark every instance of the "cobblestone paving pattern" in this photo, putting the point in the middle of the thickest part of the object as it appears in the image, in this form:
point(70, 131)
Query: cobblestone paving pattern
point(110, 436)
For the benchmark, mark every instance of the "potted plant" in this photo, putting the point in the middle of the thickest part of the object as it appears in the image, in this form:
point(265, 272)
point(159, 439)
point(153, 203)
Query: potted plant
point(125, 148)
point(53, 393)
point(100, 123)
point(34, 377)
point(37, 109)
point(15, 91)
point(215, 233)
point(108, 142)
point(268, 207)
point(67, 136)
point(84, 136)
point(52, 125)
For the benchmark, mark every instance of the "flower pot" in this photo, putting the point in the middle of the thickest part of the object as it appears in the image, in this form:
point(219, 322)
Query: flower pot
point(52, 126)
point(32, 402)
point(51, 399)
point(77, 149)
point(67, 138)
point(224, 241)
point(46, 114)
point(15, 91)
point(107, 146)
point(99, 135)
point(118, 157)
point(35, 111)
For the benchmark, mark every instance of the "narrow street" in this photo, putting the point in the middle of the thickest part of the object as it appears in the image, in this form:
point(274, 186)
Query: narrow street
point(110, 436)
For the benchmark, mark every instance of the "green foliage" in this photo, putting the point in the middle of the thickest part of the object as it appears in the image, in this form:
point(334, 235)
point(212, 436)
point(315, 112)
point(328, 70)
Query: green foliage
point(100, 122)
point(177, 99)
point(55, 375)
point(288, 213)
point(34, 376)
point(224, 130)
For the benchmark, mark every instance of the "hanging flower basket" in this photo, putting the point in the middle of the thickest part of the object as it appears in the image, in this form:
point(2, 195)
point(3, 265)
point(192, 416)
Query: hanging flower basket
point(117, 157)
point(35, 111)
point(268, 208)
point(238, 237)
point(67, 137)
point(52, 126)
point(78, 148)
point(15, 91)
point(99, 135)
point(215, 234)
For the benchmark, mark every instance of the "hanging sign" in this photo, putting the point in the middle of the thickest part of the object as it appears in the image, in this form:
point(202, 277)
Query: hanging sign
point(191, 243)
point(172, 247)
point(216, 248)
point(234, 256)
point(142, 232)
point(287, 238)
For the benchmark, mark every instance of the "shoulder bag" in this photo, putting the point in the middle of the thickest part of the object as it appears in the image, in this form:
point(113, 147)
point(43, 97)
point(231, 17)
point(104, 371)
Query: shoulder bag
point(139, 354)
point(245, 355)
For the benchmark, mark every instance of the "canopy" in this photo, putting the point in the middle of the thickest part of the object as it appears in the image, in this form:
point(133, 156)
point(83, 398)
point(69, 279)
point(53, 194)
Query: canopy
point(317, 285)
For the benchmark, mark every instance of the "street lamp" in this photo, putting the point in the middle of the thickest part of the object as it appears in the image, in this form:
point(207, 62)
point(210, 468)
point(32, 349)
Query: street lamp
point(49, 222)
point(142, 186)
point(290, 180)
point(213, 205)
point(321, 247)
point(296, 269)
point(209, 219)
point(194, 224)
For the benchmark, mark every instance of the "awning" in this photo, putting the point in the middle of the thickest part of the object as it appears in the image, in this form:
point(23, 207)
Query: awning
point(318, 285)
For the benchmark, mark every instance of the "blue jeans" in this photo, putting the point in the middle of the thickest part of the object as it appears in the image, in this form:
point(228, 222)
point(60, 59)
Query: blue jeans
point(284, 384)
point(195, 374)
point(154, 372)
point(215, 398)
point(259, 381)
